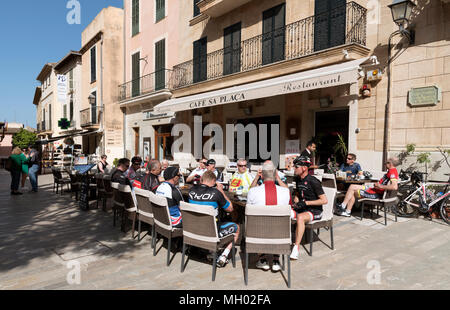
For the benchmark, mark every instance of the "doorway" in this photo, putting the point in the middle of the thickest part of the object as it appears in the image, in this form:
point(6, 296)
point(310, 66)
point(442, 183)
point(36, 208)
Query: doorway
point(164, 141)
point(329, 126)
point(136, 141)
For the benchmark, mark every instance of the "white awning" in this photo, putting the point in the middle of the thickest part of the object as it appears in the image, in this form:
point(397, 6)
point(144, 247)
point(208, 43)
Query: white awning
point(340, 74)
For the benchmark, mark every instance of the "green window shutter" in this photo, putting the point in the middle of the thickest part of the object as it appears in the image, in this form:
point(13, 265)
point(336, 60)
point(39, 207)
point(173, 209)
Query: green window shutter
point(93, 65)
point(135, 73)
point(160, 10)
point(196, 9)
point(65, 111)
point(135, 17)
point(160, 64)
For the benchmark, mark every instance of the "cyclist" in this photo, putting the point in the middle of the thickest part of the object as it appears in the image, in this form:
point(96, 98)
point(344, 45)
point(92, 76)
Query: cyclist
point(388, 182)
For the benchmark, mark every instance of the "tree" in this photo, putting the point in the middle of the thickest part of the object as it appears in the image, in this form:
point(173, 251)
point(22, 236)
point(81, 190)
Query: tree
point(24, 138)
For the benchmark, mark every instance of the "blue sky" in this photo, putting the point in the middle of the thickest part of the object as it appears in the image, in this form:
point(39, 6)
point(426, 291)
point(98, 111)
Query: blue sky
point(33, 33)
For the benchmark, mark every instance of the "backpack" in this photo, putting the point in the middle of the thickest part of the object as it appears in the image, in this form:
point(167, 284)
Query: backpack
point(8, 164)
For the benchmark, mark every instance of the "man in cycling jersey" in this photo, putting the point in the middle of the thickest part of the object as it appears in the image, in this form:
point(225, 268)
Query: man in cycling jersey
point(269, 194)
point(241, 179)
point(208, 195)
point(150, 180)
point(388, 182)
point(169, 190)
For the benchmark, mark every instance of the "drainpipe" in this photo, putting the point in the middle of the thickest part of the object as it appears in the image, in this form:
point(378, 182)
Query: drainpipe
point(124, 79)
point(102, 127)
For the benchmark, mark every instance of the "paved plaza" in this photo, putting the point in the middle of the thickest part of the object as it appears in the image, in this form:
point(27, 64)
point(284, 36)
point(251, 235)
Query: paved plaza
point(43, 234)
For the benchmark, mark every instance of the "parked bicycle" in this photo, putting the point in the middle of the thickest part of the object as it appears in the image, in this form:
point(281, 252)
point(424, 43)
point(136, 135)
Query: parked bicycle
point(420, 197)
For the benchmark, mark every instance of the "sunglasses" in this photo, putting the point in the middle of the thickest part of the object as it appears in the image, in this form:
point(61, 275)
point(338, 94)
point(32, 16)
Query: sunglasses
point(349, 158)
point(242, 165)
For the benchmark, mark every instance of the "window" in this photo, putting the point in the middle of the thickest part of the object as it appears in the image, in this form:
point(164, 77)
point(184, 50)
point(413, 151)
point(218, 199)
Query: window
point(329, 23)
point(49, 80)
point(232, 49)
point(273, 34)
point(196, 9)
point(160, 64)
point(134, 17)
point(65, 111)
point(135, 74)
point(93, 65)
point(49, 126)
point(71, 79)
point(200, 60)
point(160, 10)
point(71, 108)
point(94, 109)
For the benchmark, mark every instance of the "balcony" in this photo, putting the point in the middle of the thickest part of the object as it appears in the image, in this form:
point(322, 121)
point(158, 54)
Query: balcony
point(153, 83)
point(90, 118)
point(44, 128)
point(340, 27)
point(215, 8)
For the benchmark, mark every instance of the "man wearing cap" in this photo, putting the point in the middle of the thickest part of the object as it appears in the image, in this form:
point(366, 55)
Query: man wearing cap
point(169, 190)
point(135, 166)
point(211, 166)
point(308, 201)
point(197, 173)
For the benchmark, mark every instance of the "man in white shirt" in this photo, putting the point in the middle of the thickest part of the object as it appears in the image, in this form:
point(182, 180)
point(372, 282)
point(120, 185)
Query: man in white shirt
point(241, 179)
point(198, 172)
point(269, 194)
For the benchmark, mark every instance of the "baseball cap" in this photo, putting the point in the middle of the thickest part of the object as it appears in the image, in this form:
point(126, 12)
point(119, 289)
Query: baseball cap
point(211, 162)
point(302, 161)
point(171, 172)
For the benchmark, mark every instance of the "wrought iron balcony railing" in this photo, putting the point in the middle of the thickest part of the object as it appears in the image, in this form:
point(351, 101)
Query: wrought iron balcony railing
point(340, 26)
point(146, 84)
point(43, 126)
point(91, 116)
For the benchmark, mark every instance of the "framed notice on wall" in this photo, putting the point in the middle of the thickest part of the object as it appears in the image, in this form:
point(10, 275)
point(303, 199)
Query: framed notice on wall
point(292, 147)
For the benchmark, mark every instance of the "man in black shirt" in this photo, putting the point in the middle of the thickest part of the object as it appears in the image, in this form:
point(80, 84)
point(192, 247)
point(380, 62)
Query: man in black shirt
point(310, 153)
point(206, 194)
point(309, 198)
point(118, 175)
point(150, 180)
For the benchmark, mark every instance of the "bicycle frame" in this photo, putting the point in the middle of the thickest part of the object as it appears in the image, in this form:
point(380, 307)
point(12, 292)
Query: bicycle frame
point(421, 191)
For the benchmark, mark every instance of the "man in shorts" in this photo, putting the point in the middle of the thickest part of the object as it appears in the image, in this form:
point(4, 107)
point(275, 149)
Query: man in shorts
point(388, 182)
point(308, 201)
point(206, 194)
point(170, 190)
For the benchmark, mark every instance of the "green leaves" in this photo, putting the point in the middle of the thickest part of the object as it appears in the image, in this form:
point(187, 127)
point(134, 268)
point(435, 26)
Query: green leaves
point(24, 138)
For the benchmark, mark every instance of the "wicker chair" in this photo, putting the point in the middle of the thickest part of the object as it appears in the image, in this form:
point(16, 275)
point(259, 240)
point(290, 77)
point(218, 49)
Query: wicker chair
point(268, 230)
point(108, 190)
point(163, 223)
point(326, 221)
point(389, 200)
point(200, 230)
point(124, 205)
point(100, 187)
point(75, 185)
point(144, 211)
point(58, 180)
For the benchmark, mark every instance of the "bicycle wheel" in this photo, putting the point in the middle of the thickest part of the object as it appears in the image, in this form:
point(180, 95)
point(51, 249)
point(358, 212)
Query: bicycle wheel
point(445, 209)
point(403, 209)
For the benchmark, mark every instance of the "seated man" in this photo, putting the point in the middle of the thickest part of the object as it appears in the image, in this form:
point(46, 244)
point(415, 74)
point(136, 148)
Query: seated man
point(351, 167)
point(363, 191)
point(280, 178)
point(241, 179)
point(269, 194)
point(211, 166)
point(164, 165)
point(150, 180)
point(169, 190)
point(197, 173)
point(135, 166)
point(309, 199)
point(119, 175)
point(207, 194)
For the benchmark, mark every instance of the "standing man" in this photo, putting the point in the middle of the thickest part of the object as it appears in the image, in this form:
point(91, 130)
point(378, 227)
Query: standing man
point(34, 162)
point(241, 178)
point(269, 194)
point(309, 152)
point(309, 199)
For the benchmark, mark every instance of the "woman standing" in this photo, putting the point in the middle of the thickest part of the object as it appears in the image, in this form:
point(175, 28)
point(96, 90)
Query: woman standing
point(102, 164)
point(19, 161)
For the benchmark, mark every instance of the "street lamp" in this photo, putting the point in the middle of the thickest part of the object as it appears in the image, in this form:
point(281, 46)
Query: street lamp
point(401, 11)
point(401, 14)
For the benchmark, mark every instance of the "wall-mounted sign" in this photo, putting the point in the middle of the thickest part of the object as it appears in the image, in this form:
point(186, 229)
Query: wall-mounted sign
point(292, 147)
point(151, 115)
point(64, 123)
point(424, 96)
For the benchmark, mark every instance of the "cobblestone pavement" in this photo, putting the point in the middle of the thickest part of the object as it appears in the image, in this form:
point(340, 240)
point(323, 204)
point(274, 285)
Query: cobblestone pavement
point(43, 234)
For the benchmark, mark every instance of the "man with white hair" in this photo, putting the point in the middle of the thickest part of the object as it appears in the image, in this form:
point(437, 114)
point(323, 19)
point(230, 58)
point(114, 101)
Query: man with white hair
point(388, 182)
point(269, 194)
point(164, 165)
point(241, 179)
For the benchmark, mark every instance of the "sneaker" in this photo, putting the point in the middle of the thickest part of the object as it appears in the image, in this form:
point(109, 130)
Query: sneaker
point(276, 266)
point(345, 213)
point(262, 264)
point(339, 208)
point(294, 253)
point(222, 261)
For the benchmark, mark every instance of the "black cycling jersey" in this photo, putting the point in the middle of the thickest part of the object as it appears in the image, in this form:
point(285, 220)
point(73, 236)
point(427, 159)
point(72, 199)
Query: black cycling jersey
point(118, 176)
point(149, 182)
point(309, 189)
point(209, 196)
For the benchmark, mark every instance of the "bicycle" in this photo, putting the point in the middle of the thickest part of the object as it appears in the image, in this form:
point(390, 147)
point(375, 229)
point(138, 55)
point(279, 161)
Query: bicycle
point(418, 197)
